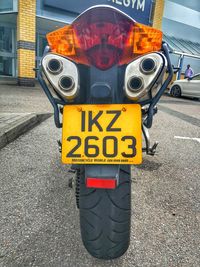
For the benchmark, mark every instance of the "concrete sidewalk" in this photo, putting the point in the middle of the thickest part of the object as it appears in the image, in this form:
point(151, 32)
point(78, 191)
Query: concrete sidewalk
point(21, 109)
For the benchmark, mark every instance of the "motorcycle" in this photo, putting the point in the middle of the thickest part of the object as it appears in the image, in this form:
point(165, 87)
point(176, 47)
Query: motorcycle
point(104, 75)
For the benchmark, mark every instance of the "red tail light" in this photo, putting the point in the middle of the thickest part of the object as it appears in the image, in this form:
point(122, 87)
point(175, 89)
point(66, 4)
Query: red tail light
point(103, 36)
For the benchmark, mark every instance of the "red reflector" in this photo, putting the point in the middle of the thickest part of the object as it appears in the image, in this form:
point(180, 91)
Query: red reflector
point(101, 183)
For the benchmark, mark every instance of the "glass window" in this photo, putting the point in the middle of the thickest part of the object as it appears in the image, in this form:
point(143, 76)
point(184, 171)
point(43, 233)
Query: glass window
point(6, 40)
point(196, 78)
point(6, 5)
point(6, 65)
point(42, 42)
point(7, 51)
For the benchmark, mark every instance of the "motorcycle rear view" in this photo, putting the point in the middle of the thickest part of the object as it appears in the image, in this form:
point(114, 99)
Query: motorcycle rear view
point(104, 75)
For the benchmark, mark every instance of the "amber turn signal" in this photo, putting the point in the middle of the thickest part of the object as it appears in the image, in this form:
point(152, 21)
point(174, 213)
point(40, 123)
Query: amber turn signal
point(62, 41)
point(146, 39)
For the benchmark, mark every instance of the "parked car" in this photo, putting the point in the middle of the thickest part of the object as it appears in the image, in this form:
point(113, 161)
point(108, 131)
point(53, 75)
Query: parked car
point(188, 87)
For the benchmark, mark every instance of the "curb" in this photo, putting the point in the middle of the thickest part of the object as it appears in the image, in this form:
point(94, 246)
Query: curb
point(13, 130)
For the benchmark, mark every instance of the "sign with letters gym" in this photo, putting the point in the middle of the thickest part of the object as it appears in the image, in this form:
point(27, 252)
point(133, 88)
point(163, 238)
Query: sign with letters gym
point(140, 10)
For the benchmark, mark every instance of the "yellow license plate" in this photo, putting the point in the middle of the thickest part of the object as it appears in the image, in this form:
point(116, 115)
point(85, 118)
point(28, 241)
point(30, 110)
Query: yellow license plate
point(102, 134)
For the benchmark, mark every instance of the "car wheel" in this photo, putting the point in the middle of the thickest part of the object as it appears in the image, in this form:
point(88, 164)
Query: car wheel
point(176, 91)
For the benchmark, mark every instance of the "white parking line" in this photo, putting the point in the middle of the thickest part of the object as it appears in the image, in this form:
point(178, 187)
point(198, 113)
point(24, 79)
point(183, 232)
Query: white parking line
point(187, 138)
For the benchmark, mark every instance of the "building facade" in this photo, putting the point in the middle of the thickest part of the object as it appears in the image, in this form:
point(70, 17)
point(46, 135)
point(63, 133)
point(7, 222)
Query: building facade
point(24, 25)
point(181, 28)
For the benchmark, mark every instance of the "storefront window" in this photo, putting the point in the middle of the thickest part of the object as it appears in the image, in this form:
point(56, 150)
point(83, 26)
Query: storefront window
point(6, 5)
point(7, 51)
point(6, 39)
point(42, 42)
point(6, 66)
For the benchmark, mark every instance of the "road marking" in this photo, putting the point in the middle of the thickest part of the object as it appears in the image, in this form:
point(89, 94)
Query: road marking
point(187, 138)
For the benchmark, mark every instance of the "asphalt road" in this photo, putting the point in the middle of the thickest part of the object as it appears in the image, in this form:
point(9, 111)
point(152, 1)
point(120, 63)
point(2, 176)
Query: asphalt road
point(39, 222)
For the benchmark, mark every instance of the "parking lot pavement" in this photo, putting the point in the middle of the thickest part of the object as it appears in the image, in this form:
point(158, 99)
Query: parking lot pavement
point(12, 125)
point(19, 99)
point(39, 223)
point(21, 109)
point(187, 106)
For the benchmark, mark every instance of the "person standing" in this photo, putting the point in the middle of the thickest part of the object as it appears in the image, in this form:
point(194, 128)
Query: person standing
point(188, 72)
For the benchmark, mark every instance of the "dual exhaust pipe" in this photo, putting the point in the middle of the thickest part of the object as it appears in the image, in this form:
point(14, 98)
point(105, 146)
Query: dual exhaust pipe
point(140, 75)
point(147, 66)
point(55, 66)
point(62, 75)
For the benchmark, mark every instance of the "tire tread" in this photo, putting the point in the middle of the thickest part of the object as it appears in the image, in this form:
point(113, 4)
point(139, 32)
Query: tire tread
point(106, 232)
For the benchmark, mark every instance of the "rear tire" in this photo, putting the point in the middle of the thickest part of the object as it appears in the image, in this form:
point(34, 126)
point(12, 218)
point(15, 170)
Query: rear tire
point(105, 217)
point(176, 91)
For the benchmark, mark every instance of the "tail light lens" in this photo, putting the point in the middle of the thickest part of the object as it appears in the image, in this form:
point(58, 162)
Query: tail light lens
point(103, 37)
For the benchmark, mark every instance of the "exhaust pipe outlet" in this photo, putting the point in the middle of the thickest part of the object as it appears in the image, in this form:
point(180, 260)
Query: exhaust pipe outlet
point(66, 83)
point(148, 65)
point(54, 66)
point(135, 83)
